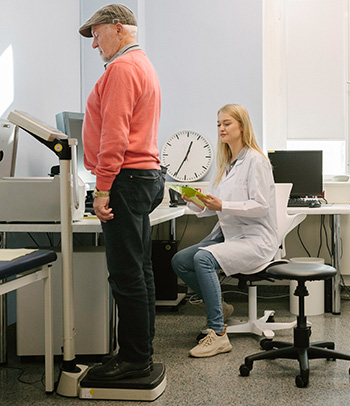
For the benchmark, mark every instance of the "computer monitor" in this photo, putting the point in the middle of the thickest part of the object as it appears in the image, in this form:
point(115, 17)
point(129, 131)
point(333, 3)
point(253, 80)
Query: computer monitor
point(71, 124)
point(302, 168)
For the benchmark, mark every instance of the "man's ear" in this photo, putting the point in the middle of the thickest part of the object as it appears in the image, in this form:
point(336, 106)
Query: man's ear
point(119, 28)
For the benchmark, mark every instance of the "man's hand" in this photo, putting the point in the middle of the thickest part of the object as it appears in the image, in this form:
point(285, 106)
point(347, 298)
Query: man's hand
point(103, 212)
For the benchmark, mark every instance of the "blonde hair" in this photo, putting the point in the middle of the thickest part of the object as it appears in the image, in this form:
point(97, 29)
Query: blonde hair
point(223, 153)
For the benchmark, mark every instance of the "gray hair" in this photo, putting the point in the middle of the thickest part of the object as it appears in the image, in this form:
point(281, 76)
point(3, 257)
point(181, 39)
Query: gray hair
point(131, 29)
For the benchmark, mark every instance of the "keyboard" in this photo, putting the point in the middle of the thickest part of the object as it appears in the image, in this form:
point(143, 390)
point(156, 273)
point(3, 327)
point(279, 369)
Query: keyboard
point(300, 202)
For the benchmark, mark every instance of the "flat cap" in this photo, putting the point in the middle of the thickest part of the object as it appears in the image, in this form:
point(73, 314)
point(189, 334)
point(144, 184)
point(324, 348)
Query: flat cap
point(111, 14)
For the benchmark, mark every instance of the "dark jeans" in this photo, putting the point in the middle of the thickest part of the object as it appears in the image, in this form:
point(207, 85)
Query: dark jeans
point(134, 195)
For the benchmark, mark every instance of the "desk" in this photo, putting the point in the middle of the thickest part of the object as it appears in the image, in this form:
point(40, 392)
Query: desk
point(334, 210)
point(87, 225)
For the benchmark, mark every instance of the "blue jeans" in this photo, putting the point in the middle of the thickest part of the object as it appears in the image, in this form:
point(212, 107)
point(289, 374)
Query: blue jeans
point(197, 268)
point(135, 193)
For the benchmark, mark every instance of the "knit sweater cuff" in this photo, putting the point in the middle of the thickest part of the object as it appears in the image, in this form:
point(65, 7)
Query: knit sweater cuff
point(104, 183)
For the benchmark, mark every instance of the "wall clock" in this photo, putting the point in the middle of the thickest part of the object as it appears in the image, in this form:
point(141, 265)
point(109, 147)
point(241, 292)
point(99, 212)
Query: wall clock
point(187, 155)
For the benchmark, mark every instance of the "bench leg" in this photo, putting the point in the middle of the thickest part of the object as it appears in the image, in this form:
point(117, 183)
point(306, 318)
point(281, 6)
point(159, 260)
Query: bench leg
point(48, 314)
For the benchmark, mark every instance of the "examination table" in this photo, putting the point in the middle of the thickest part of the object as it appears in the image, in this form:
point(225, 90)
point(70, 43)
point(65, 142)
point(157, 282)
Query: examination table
point(21, 267)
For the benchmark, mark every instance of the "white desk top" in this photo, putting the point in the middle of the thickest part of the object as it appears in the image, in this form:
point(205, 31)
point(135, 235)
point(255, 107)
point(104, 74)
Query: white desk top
point(89, 225)
point(160, 215)
point(331, 208)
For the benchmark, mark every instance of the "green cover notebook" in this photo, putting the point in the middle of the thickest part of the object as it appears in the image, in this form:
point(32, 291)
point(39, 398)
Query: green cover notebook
point(190, 192)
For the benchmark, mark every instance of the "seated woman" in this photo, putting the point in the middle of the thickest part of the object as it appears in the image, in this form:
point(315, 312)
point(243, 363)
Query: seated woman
point(245, 237)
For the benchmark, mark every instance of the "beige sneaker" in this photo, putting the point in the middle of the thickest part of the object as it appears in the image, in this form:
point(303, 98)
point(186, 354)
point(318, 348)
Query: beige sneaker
point(211, 344)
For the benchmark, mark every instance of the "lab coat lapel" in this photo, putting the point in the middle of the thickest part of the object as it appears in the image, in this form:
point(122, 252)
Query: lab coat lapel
point(235, 168)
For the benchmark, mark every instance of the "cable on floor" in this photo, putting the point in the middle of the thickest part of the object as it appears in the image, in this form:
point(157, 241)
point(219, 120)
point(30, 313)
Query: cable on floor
point(19, 377)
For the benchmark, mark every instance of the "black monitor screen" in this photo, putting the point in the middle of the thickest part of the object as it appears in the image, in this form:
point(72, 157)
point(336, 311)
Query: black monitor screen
point(302, 168)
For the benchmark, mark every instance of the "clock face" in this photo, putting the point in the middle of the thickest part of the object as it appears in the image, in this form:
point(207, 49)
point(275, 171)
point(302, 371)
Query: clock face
point(187, 156)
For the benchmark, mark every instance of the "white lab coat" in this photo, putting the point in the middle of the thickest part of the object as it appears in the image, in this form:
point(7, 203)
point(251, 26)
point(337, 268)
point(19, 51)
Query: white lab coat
point(248, 217)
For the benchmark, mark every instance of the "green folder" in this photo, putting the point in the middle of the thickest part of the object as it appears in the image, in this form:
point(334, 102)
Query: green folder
point(190, 192)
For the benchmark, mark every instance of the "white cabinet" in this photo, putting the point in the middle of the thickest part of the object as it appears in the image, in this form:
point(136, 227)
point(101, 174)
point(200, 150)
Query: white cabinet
point(91, 301)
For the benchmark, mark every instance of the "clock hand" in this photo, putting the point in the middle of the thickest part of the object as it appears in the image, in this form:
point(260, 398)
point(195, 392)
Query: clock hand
point(184, 160)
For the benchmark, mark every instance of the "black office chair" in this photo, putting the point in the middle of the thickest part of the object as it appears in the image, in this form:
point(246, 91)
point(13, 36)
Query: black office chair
point(300, 349)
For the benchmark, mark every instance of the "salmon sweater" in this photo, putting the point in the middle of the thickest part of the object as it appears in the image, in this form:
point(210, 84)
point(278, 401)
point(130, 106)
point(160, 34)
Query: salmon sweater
point(121, 120)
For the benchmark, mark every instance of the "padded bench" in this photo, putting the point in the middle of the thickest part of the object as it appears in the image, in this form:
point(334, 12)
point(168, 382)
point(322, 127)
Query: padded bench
point(29, 266)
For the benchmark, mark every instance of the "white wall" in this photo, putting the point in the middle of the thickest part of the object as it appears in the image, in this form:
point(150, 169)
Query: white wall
point(40, 70)
point(39, 74)
point(207, 53)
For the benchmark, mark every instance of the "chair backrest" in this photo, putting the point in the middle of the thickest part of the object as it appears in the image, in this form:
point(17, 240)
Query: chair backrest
point(285, 221)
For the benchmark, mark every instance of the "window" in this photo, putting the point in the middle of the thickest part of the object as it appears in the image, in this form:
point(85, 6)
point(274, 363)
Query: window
point(334, 162)
point(306, 74)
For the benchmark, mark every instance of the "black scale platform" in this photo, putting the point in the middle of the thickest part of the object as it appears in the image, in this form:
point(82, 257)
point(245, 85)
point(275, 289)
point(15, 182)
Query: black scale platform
point(144, 388)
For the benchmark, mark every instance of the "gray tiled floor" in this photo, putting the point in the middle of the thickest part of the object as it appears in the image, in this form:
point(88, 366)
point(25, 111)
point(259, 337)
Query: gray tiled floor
point(216, 381)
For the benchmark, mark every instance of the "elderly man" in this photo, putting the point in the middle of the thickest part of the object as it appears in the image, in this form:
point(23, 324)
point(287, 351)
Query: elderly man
point(120, 135)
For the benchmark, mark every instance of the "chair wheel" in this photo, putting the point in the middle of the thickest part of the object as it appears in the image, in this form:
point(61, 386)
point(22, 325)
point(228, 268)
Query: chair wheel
point(244, 370)
point(264, 342)
point(301, 382)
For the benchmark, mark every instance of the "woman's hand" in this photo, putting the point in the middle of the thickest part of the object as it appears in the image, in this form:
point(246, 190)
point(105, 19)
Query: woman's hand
point(211, 202)
point(187, 199)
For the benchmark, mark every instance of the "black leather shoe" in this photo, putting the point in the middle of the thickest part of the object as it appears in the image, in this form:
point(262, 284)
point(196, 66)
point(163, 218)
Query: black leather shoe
point(114, 370)
point(107, 358)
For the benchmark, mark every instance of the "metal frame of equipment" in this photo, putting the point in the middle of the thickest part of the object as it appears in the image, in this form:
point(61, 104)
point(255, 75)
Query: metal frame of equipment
point(72, 381)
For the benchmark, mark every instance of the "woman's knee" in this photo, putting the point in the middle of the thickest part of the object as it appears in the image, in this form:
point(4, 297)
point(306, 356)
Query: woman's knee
point(176, 262)
point(204, 259)
point(182, 261)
